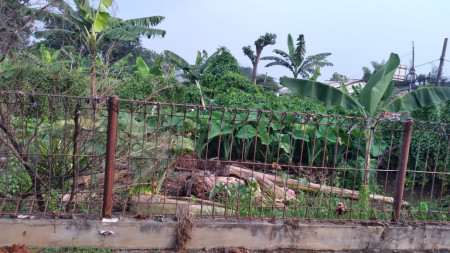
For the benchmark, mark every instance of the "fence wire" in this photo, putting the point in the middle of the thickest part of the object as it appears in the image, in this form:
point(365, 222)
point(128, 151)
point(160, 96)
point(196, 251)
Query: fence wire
point(217, 162)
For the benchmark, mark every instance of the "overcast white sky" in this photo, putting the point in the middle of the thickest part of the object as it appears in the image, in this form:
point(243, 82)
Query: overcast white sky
point(356, 32)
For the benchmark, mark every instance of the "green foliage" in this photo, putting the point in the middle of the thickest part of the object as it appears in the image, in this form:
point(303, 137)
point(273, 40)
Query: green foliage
point(192, 72)
point(150, 87)
point(322, 92)
point(191, 95)
point(419, 98)
point(228, 81)
point(338, 77)
point(444, 112)
point(376, 87)
point(427, 149)
point(263, 41)
point(247, 71)
point(16, 180)
point(221, 64)
point(426, 113)
point(268, 83)
point(21, 74)
point(295, 60)
point(240, 197)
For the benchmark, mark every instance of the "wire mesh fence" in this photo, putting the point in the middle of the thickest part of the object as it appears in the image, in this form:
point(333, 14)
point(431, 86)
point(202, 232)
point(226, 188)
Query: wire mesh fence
point(48, 142)
point(216, 162)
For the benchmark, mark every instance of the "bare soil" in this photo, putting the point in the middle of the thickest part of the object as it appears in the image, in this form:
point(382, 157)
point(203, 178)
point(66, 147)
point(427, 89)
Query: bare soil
point(15, 248)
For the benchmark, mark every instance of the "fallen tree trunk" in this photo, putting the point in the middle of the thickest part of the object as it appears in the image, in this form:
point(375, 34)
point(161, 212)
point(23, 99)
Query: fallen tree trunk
point(296, 185)
point(162, 205)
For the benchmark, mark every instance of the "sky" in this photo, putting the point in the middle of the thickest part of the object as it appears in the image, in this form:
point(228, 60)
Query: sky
point(356, 32)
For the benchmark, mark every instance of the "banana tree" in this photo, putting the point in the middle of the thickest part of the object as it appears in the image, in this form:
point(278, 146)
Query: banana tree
point(94, 26)
point(295, 59)
point(375, 98)
point(193, 72)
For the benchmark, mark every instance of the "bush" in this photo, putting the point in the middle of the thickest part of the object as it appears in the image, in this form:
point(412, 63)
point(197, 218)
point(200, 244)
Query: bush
point(20, 74)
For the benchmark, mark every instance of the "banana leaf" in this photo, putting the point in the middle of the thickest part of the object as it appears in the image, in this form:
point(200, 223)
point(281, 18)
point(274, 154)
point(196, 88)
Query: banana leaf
point(418, 98)
point(377, 85)
point(322, 92)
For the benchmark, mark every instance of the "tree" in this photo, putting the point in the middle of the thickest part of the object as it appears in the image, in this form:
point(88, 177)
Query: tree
point(422, 79)
point(374, 98)
point(16, 19)
point(90, 27)
point(263, 41)
point(193, 72)
point(295, 59)
point(367, 73)
point(338, 77)
point(247, 71)
point(268, 83)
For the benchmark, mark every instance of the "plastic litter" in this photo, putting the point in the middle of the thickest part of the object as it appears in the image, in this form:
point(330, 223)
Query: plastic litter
point(110, 220)
point(106, 232)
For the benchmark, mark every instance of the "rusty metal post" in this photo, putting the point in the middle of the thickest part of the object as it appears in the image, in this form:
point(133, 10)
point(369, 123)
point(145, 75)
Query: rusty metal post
point(401, 173)
point(111, 143)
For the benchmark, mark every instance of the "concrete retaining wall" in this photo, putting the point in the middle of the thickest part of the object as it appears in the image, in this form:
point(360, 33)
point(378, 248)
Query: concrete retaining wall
point(151, 234)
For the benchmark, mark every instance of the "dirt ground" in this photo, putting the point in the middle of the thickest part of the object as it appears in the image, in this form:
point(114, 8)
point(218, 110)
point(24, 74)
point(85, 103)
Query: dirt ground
point(242, 250)
point(15, 248)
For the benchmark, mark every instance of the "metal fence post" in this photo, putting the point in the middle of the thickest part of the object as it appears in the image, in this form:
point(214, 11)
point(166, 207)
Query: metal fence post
point(401, 174)
point(111, 143)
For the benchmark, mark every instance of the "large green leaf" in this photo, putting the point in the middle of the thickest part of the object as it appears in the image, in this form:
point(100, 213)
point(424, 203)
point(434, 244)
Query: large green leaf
point(84, 9)
point(146, 21)
point(101, 18)
point(290, 43)
point(107, 3)
point(246, 132)
point(142, 66)
point(277, 61)
point(389, 91)
point(155, 68)
point(176, 59)
point(344, 88)
point(300, 50)
point(126, 32)
point(120, 34)
point(122, 61)
point(418, 98)
point(377, 85)
point(320, 91)
point(199, 59)
point(219, 128)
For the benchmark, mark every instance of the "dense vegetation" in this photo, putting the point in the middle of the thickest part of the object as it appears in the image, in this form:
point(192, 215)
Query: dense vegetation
point(100, 55)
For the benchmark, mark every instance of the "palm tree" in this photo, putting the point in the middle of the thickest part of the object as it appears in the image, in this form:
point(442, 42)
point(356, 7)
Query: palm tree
point(295, 60)
point(89, 27)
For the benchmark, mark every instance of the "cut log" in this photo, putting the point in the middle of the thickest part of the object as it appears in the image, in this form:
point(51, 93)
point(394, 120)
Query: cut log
point(99, 178)
point(296, 185)
point(161, 205)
